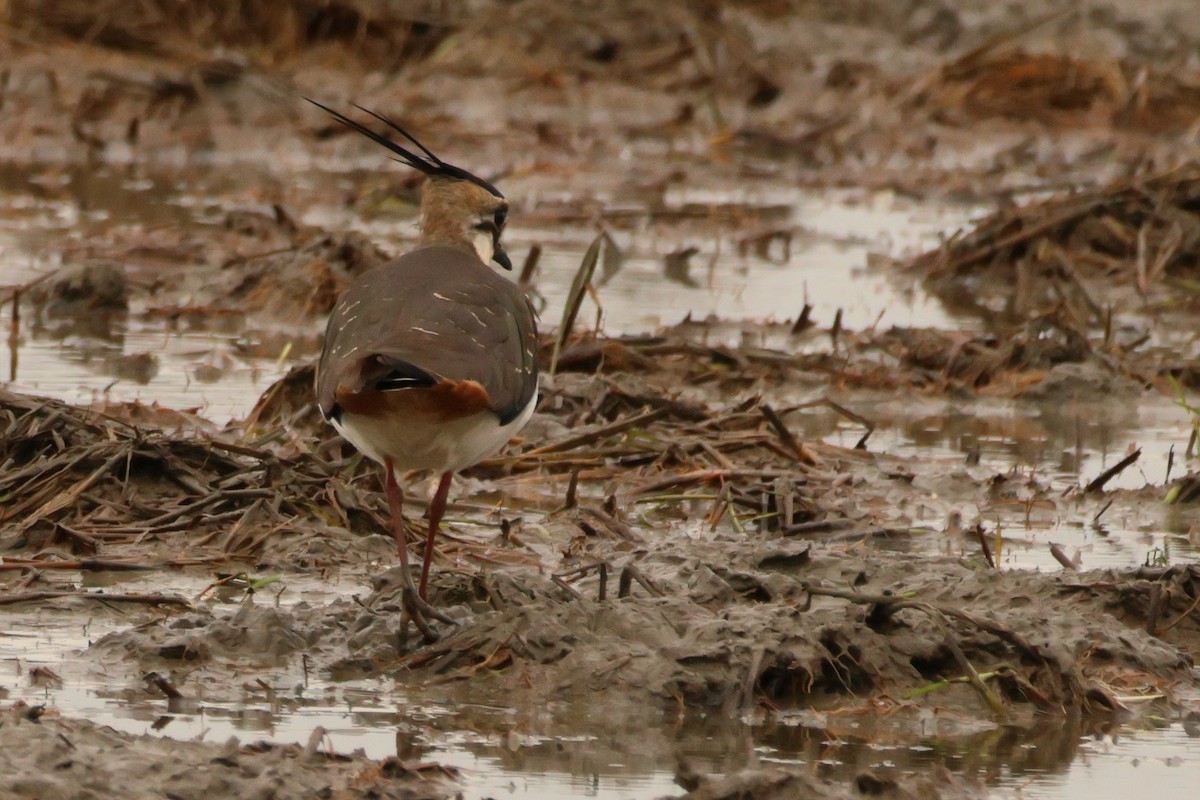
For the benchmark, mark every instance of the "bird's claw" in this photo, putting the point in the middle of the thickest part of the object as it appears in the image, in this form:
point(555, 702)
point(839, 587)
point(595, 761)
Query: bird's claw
point(420, 612)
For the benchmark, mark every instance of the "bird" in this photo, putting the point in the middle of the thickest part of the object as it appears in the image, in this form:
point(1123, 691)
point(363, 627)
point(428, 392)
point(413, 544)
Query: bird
point(429, 362)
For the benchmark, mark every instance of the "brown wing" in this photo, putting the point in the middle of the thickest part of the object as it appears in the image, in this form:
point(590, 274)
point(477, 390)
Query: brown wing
point(437, 312)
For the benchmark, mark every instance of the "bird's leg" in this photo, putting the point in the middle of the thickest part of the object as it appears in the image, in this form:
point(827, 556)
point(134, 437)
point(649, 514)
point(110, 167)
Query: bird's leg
point(414, 603)
point(395, 496)
point(436, 509)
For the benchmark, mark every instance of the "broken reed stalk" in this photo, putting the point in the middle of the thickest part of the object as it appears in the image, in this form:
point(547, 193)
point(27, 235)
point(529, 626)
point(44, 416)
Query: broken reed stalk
point(596, 434)
point(10, 564)
point(1112, 472)
point(629, 575)
point(614, 524)
point(566, 587)
point(14, 335)
point(575, 295)
point(531, 264)
point(314, 742)
point(994, 704)
point(1061, 557)
point(921, 691)
point(836, 329)
point(804, 321)
point(845, 412)
point(106, 597)
point(1100, 513)
point(785, 436)
point(572, 499)
point(1156, 603)
point(983, 545)
point(1180, 618)
point(753, 672)
point(163, 685)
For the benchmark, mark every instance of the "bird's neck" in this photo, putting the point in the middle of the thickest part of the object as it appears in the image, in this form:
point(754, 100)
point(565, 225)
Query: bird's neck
point(480, 243)
point(438, 232)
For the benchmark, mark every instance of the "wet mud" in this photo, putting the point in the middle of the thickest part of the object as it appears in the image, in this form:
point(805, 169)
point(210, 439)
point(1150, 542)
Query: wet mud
point(73, 758)
point(929, 494)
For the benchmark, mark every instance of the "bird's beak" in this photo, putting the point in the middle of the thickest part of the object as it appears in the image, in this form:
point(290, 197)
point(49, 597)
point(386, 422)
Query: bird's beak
point(501, 257)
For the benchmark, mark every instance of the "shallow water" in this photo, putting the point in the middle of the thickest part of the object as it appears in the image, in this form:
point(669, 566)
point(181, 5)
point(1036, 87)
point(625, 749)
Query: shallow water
point(830, 237)
point(1063, 447)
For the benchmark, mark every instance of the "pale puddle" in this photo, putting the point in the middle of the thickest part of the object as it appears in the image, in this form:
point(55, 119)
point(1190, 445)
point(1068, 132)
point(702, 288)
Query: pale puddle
point(835, 233)
point(831, 235)
point(1063, 447)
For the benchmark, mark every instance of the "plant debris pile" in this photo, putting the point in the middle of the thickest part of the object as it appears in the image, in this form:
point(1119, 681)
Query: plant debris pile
point(84, 483)
point(1115, 249)
point(1061, 91)
point(382, 32)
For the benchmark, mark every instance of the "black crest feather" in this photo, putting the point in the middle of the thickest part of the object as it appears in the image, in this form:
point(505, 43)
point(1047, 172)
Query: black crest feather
point(426, 162)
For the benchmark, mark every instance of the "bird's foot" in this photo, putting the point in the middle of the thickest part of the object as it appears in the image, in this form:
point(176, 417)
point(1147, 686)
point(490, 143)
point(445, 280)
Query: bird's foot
point(421, 612)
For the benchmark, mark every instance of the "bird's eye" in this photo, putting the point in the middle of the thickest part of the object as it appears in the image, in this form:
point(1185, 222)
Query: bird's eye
point(501, 217)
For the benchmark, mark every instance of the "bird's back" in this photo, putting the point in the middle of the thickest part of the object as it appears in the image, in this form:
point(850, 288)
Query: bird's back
point(441, 310)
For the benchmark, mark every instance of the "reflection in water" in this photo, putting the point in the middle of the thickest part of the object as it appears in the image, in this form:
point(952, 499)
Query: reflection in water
point(117, 361)
point(102, 330)
point(94, 355)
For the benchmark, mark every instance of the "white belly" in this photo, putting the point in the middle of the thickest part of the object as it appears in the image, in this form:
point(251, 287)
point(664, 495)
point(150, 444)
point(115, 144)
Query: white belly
point(444, 446)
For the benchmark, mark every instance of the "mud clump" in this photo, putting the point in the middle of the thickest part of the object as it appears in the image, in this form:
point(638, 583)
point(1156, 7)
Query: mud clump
point(782, 783)
point(305, 280)
point(729, 626)
point(266, 635)
point(1043, 639)
point(45, 756)
point(94, 286)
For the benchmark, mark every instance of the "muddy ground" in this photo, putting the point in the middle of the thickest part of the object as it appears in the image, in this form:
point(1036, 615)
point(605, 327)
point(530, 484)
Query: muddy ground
point(677, 539)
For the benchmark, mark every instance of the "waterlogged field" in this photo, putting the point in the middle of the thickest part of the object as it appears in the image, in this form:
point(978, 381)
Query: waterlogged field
point(864, 468)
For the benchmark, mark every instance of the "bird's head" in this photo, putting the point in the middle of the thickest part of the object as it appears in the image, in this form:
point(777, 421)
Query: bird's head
point(456, 206)
point(457, 210)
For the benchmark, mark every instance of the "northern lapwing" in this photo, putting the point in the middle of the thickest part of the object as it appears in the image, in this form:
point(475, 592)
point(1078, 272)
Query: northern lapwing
point(430, 361)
